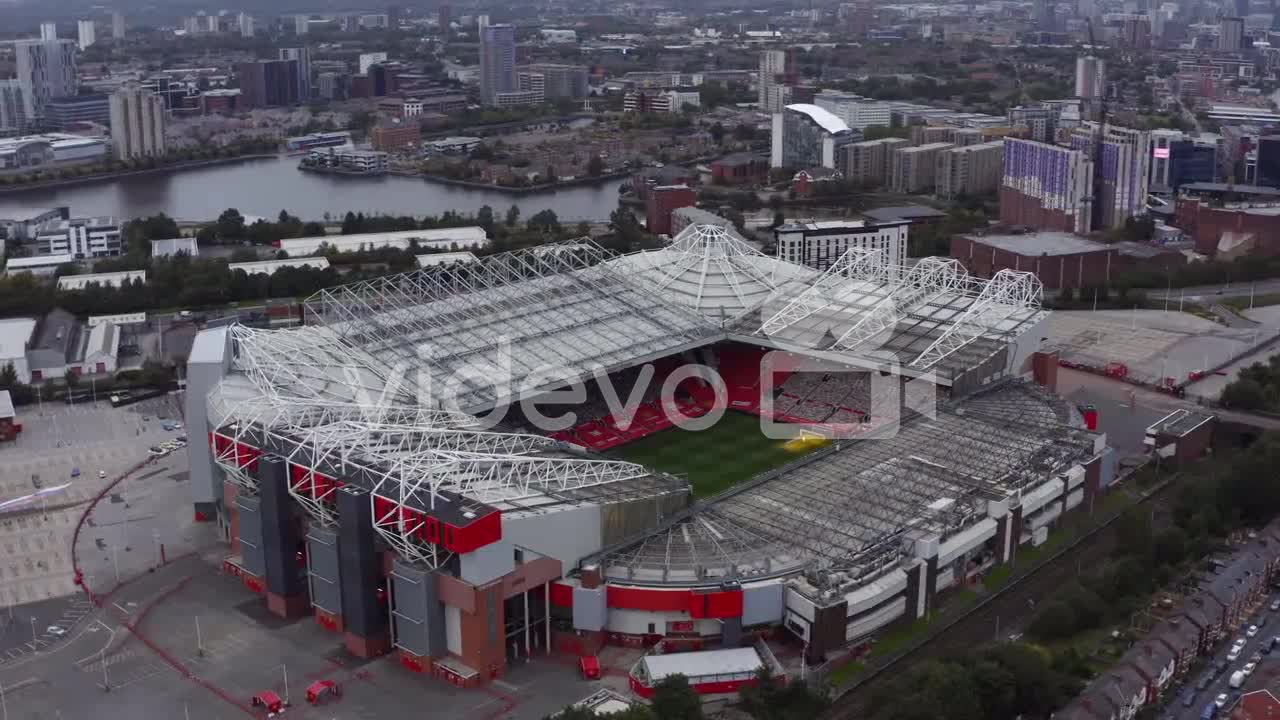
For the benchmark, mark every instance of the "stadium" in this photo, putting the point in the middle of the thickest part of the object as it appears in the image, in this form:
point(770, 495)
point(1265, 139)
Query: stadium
point(471, 464)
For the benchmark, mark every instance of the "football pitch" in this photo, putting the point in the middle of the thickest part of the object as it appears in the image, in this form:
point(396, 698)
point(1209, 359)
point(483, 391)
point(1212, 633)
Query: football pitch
point(714, 459)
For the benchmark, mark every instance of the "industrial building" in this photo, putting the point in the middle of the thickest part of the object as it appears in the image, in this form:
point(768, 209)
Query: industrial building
point(462, 547)
point(1060, 260)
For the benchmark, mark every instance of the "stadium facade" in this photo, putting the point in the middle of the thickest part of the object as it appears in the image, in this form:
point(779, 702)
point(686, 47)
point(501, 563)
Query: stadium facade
point(360, 474)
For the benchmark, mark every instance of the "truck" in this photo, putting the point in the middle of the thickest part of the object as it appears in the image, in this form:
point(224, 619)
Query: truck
point(1237, 679)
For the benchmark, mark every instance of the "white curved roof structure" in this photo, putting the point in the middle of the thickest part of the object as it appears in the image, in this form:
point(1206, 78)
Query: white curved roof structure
point(713, 271)
point(822, 116)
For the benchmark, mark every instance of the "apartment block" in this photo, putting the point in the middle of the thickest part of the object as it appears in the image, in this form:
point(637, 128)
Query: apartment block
point(914, 169)
point(971, 170)
point(867, 162)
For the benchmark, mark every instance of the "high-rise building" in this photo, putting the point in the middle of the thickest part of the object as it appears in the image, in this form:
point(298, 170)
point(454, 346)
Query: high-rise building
point(445, 19)
point(1046, 18)
point(1126, 171)
point(46, 70)
point(87, 32)
point(268, 83)
point(1091, 77)
point(971, 170)
point(497, 62)
point(915, 169)
point(117, 25)
point(302, 56)
point(212, 24)
point(806, 136)
point(1045, 187)
point(301, 24)
point(137, 123)
point(1231, 34)
point(244, 21)
point(13, 109)
point(48, 31)
point(1242, 8)
point(774, 71)
point(867, 162)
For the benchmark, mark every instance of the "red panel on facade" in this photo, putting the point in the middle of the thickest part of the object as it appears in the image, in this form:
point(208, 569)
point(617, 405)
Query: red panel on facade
point(482, 531)
point(646, 599)
point(561, 595)
point(300, 479)
point(383, 509)
point(716, 604)
point(247, 456)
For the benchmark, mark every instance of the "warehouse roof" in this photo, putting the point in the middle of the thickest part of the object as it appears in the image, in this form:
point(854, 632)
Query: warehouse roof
point(109, 279)
point(37, 261)
point(173, 246)
point(692, 665)
point(1041, 243)
point(15, 333)
point(904, 212)
point(269, 267)
point(463, 237)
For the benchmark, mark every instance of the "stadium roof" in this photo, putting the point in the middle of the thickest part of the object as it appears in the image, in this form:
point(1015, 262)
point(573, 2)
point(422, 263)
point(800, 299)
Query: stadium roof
point(712, 270)
point(843, 512)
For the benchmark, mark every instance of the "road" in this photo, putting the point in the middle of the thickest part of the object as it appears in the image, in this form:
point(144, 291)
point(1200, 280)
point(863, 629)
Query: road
point(1220, 682)
point(1200, 293)
point(1122, 394)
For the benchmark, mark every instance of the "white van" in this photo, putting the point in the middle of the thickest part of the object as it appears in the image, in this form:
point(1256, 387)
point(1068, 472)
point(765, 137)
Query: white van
point(1237, 679)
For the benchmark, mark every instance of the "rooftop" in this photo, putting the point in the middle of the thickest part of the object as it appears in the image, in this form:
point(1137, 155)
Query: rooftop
point(1041, 243)
point(823, 117)
point(15, 333)
point(1208, 187)
point(38, 261)
point(692, 665)
point(55, 139)
point(111, 279)
point(269, 267)
point(904, 212)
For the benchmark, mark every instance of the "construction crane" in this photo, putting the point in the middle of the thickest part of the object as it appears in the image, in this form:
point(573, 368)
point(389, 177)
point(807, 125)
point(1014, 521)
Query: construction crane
point(1095, 202)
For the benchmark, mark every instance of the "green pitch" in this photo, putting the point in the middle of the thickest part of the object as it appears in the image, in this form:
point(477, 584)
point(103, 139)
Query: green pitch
point(715, 459)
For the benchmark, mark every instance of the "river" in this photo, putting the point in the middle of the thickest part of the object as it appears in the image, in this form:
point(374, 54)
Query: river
point(265, 187)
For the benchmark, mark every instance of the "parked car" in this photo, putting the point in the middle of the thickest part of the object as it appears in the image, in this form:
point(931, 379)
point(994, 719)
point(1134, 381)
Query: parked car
point(1252, 631)
point(1188, 697)
point(1234, 653)
point(1220, 700)
point(1275, 605)
point(1249, 668)
point(1203, 683)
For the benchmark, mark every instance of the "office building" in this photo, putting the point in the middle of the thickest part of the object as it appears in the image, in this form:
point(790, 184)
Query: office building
point(137, 123)
point(13, 109)
point(1268, 172)
point(46, 70)
point(87, 33)
point(268, 83)
point(858, 112)
point(79, 237)
point(1091, 77)
point(806, 136)
point(301, 56)
point(244, 22)
point(333, 86)
point(368, 60)
point(117, 25)
point(1231, 34)
point(661, 201)
point(395, 134)
point(555, 82)
point(62, 114)
point(1126, 172)
point(48, 31)
point(867, 162)
point(914, 169)
point(970, 170)
point(497, 62)
point(818, 244)
point(1045, 187)
point(774, 71)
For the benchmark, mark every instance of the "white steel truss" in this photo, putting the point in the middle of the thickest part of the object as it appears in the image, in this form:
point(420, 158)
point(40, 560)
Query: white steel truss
point(930, 276)
point(856, 264)
point(1007, 293)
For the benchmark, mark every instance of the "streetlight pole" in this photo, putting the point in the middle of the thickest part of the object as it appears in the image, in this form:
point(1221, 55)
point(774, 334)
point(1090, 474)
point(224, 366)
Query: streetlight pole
point(106, 686)
point(4, 708)
point(285, 670)
point(199, 641)
point(33, 632)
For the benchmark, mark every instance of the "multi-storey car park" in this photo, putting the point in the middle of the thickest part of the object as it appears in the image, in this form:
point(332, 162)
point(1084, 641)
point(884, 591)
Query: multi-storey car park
point(355, 477)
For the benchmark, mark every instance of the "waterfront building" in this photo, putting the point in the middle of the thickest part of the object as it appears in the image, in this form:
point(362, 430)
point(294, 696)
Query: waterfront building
point(138, 123)
point(969, 170)
point(497, 62)
point(268, 83)
point(63, 113)
point(87, 33)
point(13, 109)
point(867, 162)
point(301, 56)
point(46, 70)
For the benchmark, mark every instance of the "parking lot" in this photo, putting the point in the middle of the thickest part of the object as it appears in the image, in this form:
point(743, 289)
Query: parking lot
point(1212, 686)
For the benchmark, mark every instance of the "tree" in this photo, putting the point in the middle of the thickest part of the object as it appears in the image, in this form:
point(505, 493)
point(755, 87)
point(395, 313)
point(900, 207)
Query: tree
point(513, 216)
point(583, 228)
point(8, 376)
point(1055, 621)
point(595, 166)
point(545, 221)
point(674, 699)
point(1243, 394)
point(71, 378)
point(230, 224)
point(484, 217)
point(778, 219)
point(718, 132)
